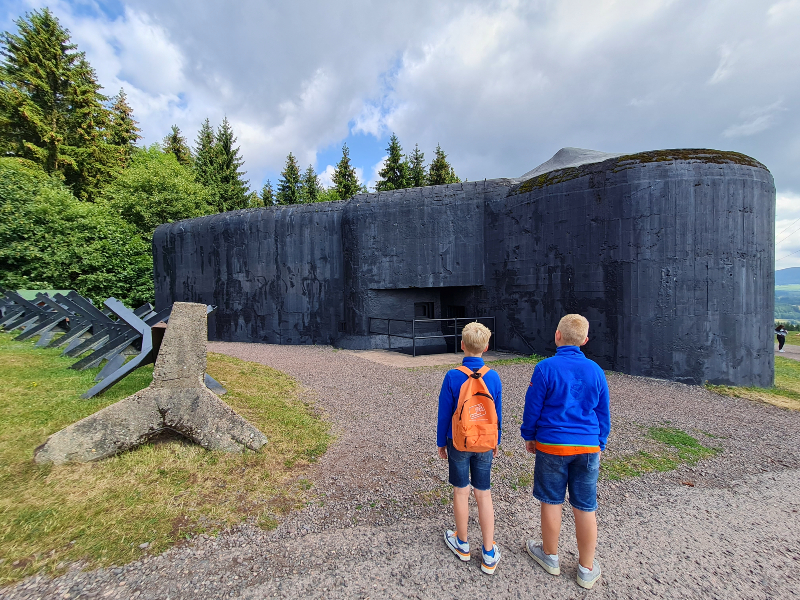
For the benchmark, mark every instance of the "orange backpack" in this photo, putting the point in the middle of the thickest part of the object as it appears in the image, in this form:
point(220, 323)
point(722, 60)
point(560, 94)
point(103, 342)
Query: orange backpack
point(475, 420)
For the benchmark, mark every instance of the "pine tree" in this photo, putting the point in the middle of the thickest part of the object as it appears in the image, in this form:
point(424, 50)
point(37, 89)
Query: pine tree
point(232, 189)
point(344, 177)
point(416, 168)
point(51, 108)
point(123, 130)
point(267, 195)
point(289, 183)
point(394, 174)
point(205, 161)
point(174, 143)
point(310, 187)
point(440, 171)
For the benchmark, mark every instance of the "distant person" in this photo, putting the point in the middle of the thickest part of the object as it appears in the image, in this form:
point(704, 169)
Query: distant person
point(780, 333)
point(566, 423)
point(467, 435)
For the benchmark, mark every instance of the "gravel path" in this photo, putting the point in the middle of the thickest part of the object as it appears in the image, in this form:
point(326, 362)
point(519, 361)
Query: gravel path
point(789, 351)
point(728, 527)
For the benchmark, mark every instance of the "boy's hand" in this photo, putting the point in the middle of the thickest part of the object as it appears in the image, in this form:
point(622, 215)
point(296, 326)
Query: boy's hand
point(530, 446)
point(443, 452)
point(494, 452)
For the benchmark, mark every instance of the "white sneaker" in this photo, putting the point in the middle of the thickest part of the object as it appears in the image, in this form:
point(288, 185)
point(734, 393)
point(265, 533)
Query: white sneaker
point(460, 549)
point(781, 350)
point(489, 563)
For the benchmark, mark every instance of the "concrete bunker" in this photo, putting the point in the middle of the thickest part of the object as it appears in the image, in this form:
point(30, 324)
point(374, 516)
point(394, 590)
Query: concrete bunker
point(670, 254)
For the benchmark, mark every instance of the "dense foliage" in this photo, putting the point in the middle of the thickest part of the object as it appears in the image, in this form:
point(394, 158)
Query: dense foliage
point(51, 240)
point(395, 172)
point(400, 171)
point(156, 189)
point(51, 109)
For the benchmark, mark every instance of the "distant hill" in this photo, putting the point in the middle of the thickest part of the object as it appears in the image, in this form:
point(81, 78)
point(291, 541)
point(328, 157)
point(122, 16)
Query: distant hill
point(788, 276)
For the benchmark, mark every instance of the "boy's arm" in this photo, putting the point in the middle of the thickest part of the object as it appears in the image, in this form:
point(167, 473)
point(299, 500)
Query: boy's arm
point(446, 409)
point(603, 412)
point(534, 401)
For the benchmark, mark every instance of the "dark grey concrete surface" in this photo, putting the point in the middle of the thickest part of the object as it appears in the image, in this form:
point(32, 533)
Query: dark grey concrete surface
point(670, 254)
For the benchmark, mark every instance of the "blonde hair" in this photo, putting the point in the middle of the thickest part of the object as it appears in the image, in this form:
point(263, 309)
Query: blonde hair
point(475, 337)
point(574, 329)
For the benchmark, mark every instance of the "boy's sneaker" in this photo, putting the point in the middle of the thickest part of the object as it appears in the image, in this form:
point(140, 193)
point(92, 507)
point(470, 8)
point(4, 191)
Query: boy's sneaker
point(489, 563)
point(460, 549)
point(586, 580)
point(548, 564)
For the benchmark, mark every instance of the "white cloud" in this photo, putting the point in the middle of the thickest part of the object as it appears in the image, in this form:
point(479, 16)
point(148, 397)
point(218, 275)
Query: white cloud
point(374, 176)
point(501, 84)
point(787, 230)
point(326, 176)
point(756, 120)
point(727, 59)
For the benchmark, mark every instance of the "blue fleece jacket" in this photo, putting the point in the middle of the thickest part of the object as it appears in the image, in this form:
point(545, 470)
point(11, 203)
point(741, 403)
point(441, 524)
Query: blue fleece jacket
point(567, 401)
point(448, 398)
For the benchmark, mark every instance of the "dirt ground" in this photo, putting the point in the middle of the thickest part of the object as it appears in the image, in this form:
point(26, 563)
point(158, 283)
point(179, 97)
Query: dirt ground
point(727, 527)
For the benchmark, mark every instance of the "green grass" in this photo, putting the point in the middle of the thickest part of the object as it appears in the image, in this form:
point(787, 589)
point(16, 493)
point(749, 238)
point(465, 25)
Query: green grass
point(158, 494)
point(793, 339)
point(520, 360)
point(676, 448)
point(785, 393)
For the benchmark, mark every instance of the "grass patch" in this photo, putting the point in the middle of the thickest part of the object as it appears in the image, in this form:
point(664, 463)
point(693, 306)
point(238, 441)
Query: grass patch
point(520, 360)
point(678, 448)
point(158, 494)
point(785, 393)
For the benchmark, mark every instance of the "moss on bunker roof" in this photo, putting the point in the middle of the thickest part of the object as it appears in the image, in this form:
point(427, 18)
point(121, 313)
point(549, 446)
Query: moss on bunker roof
point(629, 161)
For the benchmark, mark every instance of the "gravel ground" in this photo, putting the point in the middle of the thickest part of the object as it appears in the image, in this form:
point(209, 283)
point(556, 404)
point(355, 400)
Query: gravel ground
point(789, 351)
point(728, 527)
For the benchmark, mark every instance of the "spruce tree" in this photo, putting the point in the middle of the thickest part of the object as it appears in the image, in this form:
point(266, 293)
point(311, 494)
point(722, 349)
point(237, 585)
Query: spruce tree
point(51, 108)
point(440, 171)
point(204, 151)
point(123, 130)
point(174, 143)
point(289, 183)
point(267, 194)
point(344, 177)
point(310, 187)
point(394, 174)
point(416, 168)
point(232, 189)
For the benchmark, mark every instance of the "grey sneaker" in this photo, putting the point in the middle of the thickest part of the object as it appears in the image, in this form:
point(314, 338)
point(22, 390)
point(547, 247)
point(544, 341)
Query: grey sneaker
point(537, 554)
point(489, 563)
point(460, 550)
point(586, 580)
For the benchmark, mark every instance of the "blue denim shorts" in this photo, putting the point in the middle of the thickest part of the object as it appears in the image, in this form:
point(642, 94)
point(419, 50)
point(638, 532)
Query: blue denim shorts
point(553, 474)
point(469, 467)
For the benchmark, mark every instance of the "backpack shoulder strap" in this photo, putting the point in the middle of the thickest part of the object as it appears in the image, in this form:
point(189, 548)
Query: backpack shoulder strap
point(476, 374)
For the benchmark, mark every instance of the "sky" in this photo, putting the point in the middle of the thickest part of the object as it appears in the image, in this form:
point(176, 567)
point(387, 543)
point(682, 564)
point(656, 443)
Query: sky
point(501, 85)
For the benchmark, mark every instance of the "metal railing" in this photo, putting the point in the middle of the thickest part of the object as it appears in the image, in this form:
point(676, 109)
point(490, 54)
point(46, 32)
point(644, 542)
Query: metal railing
point(426, 335)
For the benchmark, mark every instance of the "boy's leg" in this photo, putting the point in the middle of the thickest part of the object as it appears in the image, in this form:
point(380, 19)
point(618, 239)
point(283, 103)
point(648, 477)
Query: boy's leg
point(461, 511)
point(485, 516)
point(586, 532)
point(583, 472)
point(551, 527)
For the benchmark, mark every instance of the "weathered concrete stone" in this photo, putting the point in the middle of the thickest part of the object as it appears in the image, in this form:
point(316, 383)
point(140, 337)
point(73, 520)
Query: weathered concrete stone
point(669, 254)
point(177, 399)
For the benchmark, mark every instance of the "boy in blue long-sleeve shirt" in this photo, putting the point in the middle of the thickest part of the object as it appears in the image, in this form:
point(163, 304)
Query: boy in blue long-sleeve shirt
point(467, 468)
point(566, 424)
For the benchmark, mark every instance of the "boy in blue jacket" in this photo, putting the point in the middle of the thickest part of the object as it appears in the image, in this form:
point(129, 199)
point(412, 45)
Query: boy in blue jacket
point(566, 424)
point(470, 467)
